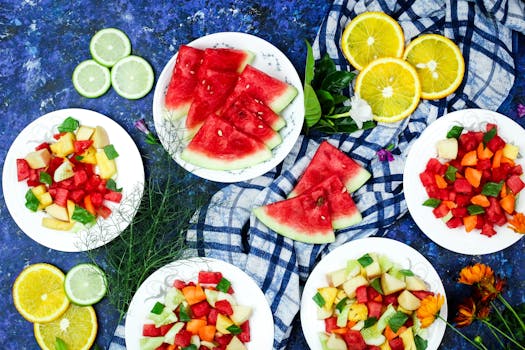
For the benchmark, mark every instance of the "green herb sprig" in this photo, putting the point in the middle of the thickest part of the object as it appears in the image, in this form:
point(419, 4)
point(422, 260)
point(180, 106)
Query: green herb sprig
point(326, 107)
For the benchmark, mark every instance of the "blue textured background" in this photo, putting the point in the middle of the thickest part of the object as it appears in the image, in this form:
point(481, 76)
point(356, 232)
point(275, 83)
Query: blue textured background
point(42, 41)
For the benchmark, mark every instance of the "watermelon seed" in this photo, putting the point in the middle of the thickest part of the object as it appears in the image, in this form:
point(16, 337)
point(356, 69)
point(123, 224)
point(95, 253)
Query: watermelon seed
point(323, 217)
point(260, 126)
point(247, 86)
point(192, 72)
point(219, 132)
point(343, 190)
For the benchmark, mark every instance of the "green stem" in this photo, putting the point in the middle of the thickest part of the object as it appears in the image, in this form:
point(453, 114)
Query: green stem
point(497, 338)
point(511, 309)
point(340, 115)
point(491, 326)
point(505, 323)
point(476, 345)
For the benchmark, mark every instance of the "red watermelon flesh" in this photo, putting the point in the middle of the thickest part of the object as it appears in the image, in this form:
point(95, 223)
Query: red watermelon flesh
point(305, 218)
point(218, 145)
point(343, 211)
point(226, 60)
point(183, 81)
point(273, 92)
point(262, 111)
point(329, 160)
point(249, 123)
point(210, 94)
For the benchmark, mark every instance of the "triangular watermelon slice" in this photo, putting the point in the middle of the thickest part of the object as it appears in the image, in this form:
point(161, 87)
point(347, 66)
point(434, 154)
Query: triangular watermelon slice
point(218, 145)
point(251, 124)
point(343, 211)
point(262, 111)
point(305, 218)
point(179, 94)
point(273, 92)
point(226, 60)
point(329, 160)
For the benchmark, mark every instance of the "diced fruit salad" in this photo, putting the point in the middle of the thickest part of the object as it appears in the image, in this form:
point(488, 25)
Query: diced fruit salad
point(198, 316)
point(71, 178)
point(371, 303)
point(474, 181)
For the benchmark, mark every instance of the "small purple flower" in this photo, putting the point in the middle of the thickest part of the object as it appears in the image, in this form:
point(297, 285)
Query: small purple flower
point(521, 110)
point(385, 155)
point(142, 127)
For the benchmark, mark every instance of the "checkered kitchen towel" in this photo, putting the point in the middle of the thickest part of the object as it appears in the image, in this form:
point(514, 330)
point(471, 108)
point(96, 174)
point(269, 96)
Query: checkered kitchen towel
point(225, 228)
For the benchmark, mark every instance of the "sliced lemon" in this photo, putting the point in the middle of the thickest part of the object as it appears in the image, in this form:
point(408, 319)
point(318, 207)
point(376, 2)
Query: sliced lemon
point(438, 63)
point(391, 87)
point(372, 35)
point(38, 293)
point(77, 328)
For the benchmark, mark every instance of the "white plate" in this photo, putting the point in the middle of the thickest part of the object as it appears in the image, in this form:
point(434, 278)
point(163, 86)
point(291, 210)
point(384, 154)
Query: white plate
point(424, 148)
point(130, 179)
point(397, 252)
point(246, 293)
point(268, 59)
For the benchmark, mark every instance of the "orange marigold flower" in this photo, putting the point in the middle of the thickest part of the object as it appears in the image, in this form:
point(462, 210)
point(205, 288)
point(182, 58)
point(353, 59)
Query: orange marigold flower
point(429, 309)
point(517, 223)
point(466, 313)
point(478, 273)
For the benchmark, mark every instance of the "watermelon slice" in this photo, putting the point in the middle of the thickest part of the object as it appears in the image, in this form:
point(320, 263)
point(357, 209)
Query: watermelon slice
point(183, 81)
point(343, 210)
point(249, 123)
point(305, 218)
point(218, 145)
point(227, 60)
point(273, 92)
point(329, 160)
point(262, 111)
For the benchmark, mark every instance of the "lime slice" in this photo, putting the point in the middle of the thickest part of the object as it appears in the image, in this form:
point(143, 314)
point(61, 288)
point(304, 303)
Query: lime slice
point(85, 284)
point(132, 77)
point(91, 79)
point(109, 45)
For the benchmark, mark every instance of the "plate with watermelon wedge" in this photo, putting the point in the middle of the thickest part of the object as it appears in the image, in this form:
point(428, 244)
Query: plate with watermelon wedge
point(228, 106)
point(462, 181)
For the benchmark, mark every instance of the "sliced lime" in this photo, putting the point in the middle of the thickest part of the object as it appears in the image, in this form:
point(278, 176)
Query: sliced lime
point(91, 79)
point(109, 45)
point(85, 284)
point(132, 77)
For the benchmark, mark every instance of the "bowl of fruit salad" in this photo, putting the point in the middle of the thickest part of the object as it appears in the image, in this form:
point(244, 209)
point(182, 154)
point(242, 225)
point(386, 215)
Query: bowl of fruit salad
point(366, 294)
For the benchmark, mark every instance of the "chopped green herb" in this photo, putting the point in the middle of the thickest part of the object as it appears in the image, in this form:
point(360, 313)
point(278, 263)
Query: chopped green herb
point(60, 344)
point(234, 329)
point(475, 209)
point(31, 201)
point(79, 158)
point(341, 304)
point(45, 178)
point(369, 322)
point(489, 135)
point(397, 320)
point(455, 132)
point(110, 151)
point(406, 272)
point(450, 174)
point(365, 260)
point(492, 188)
point(223, 285)
point(157, 308)
point(190, 347)
point(82, 215)
point(319, 300)
point(184, 313)
point(376, 284)
point(68, 125)
point(432, 202)
point(421, 343)
point(112, 185)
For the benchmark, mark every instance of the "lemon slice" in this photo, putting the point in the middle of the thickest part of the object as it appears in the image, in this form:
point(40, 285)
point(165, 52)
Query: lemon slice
point(77, 327)
point(369, 36)
point(391, 87)
point(439, 64)
point(109, 45)
point(132, 77)
point(91, 79)
point(38, 293)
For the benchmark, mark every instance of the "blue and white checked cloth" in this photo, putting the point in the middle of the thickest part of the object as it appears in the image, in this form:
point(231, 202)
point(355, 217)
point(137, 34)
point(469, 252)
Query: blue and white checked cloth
point(225, 229)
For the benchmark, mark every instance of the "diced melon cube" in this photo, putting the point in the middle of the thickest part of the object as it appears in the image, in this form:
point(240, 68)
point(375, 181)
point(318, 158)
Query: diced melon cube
point(408, 339)
point(223, 322)
point(64, 146)
point(335, 342)
point(58, 212)
point(64, 171)
point(106, 167)
point(100, 137)
point(415, 283)
point(390, 284)
point(89, 156)
point(39, 190)
point(45, 199)
point(38, 159)
point(235, 344)
point(447, 148)
point(84, 133)
point(337, 277)
point(510, 151)
point(352, 284)
point(408, 301)
point(56, 224)
point(241, 313)
point(373, 270)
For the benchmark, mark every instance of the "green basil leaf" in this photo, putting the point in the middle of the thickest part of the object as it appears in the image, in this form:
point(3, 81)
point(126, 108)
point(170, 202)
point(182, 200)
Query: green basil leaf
point(455, 132)
point(82, 215)
point(406, 272)
point(492, 188)
point(69, 125)
point(337, 81)
point(79, 158)
point(339, 99)
point(60, 344)
point(432, 202)
point(489, 135)
point(365, 260)
point(31, 201)
point(326, 100)
point(112, 185)
point(397, 320)
point(312, 107)
point(234, 329)
point(223, 285)
point(110, 151)
point(341, 304)
point(318, 299)
point(190, 347)
point(376, 284)
point(450, 173)
point(184, 313)
point(45, 178)
point(369, 322)
point(323, 67)
point(475, 209)
point(310, 64)
point(421, 343)
point(157, 308)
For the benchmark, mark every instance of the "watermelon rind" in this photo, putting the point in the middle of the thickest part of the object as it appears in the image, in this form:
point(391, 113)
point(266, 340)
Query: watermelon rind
point(283, 100)
point(347, 221)
point(358, 180)
point(313, 237)
point(204, 161)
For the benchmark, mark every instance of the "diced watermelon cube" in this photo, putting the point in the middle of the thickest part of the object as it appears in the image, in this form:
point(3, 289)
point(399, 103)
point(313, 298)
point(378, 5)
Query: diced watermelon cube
point(103, 211)
point(34, 177)
point(162, 346)
point(428, 180)
point(183, 338)
point(459, 212)
point(434, 166)
point(454, 222)
point(81, 146)
point(149, 330)
point(494, 213)
point(361, 294)
point(165, 328)
point(201, 309)
point(421, 294)
point(224, 307)
point(495, 143)
point(488, 230)
point(396, 344)
point(22, 169)
point(374, 309)
point(223, 339)
point(373, 347)
point(92, 183)
point(54, 164)
point(390, 299)
point(61, 196)
point(516, 170)
point(484, 164)
point(245, 336)
point(212, 316)
point(68, 184)
point(77, 196)
point(209, 277)
point(468, 141)
point(179, 284)
point(330, 324)
point(515, 184)
point(372, 293)
point(97, 199)
point(354, 340)
point(462, 186)
point(113, 196)
point(500, 173)
point(441, 210)
point(43, 145)
point(491, 126)
point(462, 200)
point(80, 177)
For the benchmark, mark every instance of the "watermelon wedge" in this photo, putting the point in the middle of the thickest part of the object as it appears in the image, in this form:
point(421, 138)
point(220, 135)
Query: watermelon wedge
point(273, 92)
point(305, 218)
point(249, 123)
point(218, 145)
point(179, 94)
point(329, 160)
point(226, 60)
point(343, 210)
point(262, 111)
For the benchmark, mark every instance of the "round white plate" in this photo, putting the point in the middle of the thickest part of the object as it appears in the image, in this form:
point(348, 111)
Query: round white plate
point(247, 292)
point(267, 58)
point(397, 252)
point(130, 178)
point(424, 148)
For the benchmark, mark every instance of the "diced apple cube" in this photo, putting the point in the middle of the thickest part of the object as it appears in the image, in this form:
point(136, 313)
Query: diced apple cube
point(390, 284)
point(56, 224)
point(241, 313)
point(510, 151)
point(58, 212)
point(100, 137)
point(64, 146)
point(70, 209)
point(106, 167)
point(336, 278)
point(38, 159)
point(352, 284)
point(223, 322)
point(373, 270)
point(447, 148)
point(235, 344)
point(323, 313)
point(408, 301)
point(415, 283)
point(64, 171)
point(39, 190)
point(84, 133)
point(335, 342)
